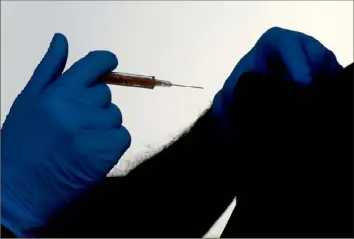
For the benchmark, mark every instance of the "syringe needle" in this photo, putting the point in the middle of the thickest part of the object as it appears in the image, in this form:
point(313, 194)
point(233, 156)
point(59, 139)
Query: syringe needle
point(190, 86)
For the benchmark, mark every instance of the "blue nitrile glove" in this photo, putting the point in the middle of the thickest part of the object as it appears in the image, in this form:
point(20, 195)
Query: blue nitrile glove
point(283, 53)
point(62, 136)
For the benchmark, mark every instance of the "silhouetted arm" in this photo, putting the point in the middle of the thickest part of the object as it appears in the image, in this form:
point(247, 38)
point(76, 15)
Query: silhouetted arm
point(179, 192)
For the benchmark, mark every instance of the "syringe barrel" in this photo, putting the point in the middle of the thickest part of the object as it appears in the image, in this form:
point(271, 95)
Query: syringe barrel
point(127, 79)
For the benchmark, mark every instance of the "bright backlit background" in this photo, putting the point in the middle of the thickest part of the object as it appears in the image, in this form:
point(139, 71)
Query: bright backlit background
point(195, 43)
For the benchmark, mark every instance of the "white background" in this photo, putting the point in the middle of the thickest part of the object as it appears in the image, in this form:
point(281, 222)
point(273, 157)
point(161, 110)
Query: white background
point(195, 43)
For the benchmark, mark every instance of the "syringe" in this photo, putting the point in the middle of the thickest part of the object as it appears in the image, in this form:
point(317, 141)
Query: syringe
point(134, 80)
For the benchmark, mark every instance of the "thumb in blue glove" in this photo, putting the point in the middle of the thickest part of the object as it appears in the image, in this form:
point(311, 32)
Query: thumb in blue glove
point(282, 53)
point(62, 136)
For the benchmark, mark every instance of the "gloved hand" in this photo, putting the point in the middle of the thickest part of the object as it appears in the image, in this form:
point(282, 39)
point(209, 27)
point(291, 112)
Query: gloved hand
point(282, 53)
point(61, 137)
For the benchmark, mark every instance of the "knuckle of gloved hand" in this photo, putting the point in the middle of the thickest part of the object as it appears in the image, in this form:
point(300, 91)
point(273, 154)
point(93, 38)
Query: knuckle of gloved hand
point(107, 93)
point(126, 136)
point(91, 59)
point(273, 34)
point(331, 60)
point(117, 115)
point(273, 31)
point(102, 55)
